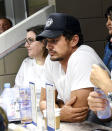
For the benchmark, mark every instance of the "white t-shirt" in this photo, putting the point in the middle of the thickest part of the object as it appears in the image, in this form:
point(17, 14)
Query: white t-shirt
point(30, 71)
point(77, 75)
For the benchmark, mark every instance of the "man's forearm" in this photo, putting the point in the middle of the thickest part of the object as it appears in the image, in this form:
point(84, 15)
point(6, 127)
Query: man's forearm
point(69, 114)
point(42, 105)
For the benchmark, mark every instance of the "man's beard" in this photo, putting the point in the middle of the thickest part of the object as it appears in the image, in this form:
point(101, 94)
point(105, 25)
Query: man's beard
point(56, 59)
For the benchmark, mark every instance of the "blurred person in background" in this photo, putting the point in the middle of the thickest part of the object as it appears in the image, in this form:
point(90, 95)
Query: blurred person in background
point(100, 77)
point(108, 49)
point(5, 24)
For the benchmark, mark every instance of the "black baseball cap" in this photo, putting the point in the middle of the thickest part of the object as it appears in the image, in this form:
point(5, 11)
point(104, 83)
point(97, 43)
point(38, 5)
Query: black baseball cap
point(57, 23)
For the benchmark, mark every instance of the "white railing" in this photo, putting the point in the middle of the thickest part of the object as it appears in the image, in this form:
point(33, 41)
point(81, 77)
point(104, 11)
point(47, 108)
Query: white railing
point(14, 37)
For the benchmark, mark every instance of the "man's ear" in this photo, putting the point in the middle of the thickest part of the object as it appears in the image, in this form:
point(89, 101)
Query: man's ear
point(74, 40)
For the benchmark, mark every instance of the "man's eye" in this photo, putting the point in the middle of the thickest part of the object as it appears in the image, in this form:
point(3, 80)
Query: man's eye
point(56, 40)
point(52, 41)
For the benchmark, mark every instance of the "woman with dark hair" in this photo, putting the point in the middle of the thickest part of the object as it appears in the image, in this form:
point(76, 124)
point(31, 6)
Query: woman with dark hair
point(108, 49)
point(31, 69)
point(100, 78)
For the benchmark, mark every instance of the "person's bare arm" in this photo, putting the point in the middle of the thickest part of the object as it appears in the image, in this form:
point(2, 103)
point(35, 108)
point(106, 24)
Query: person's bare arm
point(43, 99)
point(68, 113)
point(100, 78)
point(71, 114)
point(82, 95)
point(76, 109)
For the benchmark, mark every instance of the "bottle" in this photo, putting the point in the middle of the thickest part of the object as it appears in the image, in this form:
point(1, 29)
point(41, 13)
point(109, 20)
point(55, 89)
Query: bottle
point(15, 104)
point(5, 94)
point(104, 114)
point(6, 100)
point(10, 102)
point(6, 89)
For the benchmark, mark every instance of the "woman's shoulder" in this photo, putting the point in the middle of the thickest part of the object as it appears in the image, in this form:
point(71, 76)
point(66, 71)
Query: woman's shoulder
point(27, 60)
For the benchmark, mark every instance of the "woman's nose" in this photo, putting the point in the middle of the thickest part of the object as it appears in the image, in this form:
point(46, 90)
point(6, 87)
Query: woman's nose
point(108, 22)
point(26, 44)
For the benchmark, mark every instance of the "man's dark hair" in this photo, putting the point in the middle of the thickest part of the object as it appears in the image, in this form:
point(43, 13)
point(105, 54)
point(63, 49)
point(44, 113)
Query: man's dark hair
point(108, 11)
point(10, 22)
point(37, 30)
point(69, 35)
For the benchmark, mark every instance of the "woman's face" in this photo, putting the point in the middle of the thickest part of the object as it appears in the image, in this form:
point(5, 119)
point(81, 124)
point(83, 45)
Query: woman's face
point(34, 48)
point(109, 24)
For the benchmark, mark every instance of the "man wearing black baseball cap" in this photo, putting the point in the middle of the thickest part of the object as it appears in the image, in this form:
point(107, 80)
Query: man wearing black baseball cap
point(68, 66)
point(55, 28)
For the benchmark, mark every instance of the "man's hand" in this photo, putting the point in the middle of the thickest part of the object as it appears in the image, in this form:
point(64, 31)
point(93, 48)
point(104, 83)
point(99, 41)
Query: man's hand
point(70, 114)
point(95, 102)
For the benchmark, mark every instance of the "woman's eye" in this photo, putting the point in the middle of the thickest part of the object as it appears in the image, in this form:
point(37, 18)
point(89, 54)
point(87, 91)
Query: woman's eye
point(111, 17)
point(31, 40)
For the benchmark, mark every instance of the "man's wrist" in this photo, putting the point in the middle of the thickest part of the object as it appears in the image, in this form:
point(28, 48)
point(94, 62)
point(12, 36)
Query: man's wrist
point(60, 103)
point(106, 86)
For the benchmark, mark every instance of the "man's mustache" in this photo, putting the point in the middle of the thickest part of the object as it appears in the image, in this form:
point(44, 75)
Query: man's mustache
point(52, 51)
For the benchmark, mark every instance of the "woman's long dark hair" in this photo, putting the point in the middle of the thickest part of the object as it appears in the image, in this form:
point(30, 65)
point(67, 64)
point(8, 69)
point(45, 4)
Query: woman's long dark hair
point(108, 13)
point(37, 30)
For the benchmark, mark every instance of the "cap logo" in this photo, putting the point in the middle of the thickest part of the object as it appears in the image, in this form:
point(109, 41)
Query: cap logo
point(49, 22)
